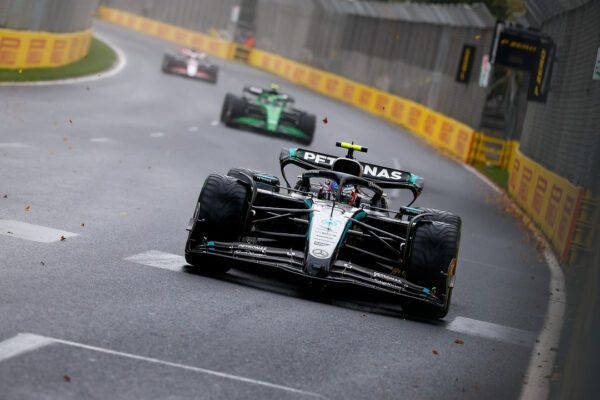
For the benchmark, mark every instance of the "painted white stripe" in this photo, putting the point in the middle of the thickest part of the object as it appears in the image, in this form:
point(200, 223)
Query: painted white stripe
point(20, 344)
point(100, 140)
point(159, 259)
point(214, 123)
point(193, 129)
point(116, 68)
point(27, 342)
point(491, 331)
point(12, 145)
point(157, 134)
point(37, 233)
point(537, 385)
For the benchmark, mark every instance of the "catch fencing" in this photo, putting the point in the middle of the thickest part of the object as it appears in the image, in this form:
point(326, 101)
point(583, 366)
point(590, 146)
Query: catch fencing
point(44, 33)
point(58, 16)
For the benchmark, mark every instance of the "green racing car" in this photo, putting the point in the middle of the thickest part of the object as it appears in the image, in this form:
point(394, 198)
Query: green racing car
point(268, 111)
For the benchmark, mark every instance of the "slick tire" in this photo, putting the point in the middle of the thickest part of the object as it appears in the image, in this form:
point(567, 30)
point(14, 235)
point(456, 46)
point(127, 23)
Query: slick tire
point(215, 74)
point(233, 107)
point(220, 216)
point(307, 125)
point(431, 264)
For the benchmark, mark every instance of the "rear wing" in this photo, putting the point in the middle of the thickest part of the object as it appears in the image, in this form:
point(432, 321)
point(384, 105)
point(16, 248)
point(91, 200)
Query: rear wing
point(384, 177)
point(258, 91)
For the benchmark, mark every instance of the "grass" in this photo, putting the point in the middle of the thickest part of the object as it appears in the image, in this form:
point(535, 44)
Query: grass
point(498, 175)
point(100, 58)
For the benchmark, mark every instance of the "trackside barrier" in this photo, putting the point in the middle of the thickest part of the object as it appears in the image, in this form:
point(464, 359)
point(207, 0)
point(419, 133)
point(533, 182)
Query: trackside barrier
point(584, 234)
point(217, 47)
point(552, 201)
point(33, 49)
point(492, 151)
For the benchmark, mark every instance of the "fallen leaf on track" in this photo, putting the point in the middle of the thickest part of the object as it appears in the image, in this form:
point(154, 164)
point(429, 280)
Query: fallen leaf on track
point(43, 263)
point(65, 139)
point(70, 121)
point(9, 232)
point(27, 208)
point(82, 224)
point(67, 378)
point(435, 352)
point(363, 315)
point(62, 238)
point(324, 120)
point(123, 212)
point(458, 341)
point(53, 153)
point(5, 196)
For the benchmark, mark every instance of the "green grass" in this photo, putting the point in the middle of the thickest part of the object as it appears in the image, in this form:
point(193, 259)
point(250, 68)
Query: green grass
point(498, 175)
point(100, 58)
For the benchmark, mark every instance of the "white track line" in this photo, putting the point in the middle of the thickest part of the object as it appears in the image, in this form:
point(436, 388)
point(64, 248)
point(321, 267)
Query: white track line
point(159, 259)
point(12, 145)
point(25, 342)
point(214, 123)
point(193, 129)
point(100, 140)
point(536, 385)
point(20, 344)
point(489, 330)
point(157, 134)
point(36, 233)
point(115, 69)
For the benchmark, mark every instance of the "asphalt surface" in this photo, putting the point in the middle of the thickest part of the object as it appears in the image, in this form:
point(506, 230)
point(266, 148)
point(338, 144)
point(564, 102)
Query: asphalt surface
point(120, 162)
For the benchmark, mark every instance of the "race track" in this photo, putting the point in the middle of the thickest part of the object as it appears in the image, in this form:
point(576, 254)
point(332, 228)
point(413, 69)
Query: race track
point(120, 162)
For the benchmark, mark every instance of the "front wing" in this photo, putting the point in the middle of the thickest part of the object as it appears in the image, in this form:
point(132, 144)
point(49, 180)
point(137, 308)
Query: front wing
point(250, 257)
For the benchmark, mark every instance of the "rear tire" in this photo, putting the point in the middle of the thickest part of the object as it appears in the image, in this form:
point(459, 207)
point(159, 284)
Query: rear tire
point(431, 264)
point(220, 216)
point(307, 125)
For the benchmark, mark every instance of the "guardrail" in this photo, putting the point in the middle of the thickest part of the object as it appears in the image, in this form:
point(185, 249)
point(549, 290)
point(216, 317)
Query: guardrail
point(557, 206)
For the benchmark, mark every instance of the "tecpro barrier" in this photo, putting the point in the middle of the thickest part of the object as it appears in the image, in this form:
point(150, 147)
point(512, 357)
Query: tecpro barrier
point(33, 49)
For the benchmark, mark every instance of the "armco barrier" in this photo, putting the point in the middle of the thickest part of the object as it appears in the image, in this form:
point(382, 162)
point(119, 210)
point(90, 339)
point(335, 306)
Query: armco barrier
point(32, 49)
point(552, 201)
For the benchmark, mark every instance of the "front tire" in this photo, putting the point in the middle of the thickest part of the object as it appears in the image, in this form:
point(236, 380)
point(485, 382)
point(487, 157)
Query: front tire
point(431, 264)
point(220, 216)
point(233, 107)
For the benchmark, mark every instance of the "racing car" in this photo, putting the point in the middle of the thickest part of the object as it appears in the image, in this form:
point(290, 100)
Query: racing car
point(268, 111)
point(190, 63)
point(333, 227)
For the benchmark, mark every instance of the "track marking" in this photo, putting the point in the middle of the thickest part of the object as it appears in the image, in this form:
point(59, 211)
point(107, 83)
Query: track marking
point(26, 342)
point(36, 233)
point(214, 123)
point(193, 129)
point(491, 331)
point(20, 344)
point(157, 134)
point(13, 145)
point(115, 69)
point(100, 140)
point(159, 259)
point(536, 384)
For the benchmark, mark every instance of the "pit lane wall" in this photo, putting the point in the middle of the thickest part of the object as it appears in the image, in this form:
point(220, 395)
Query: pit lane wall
point(41, 33)
point(552, 201)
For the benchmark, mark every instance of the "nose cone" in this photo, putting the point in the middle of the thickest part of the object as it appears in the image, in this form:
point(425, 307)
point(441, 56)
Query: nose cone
point(318, 267)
